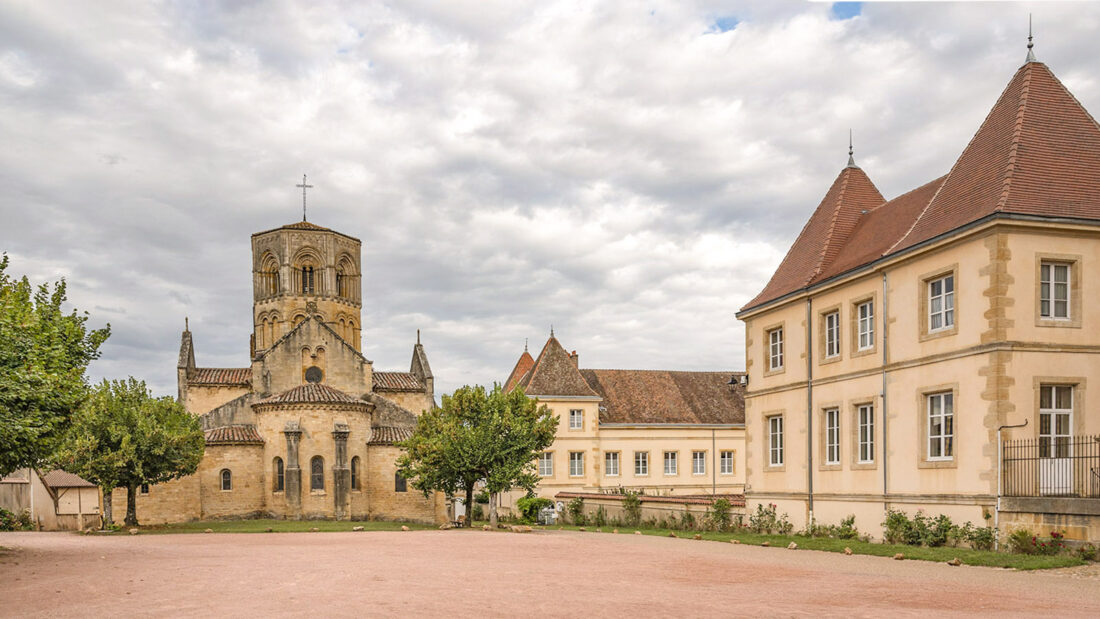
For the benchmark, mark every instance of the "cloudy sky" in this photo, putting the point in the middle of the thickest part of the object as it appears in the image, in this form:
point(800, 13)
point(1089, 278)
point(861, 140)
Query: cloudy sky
point(630, 172)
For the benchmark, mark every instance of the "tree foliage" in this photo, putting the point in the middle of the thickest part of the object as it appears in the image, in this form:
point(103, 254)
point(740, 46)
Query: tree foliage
point(477, 436)
point(123, 437)
point(43, 355)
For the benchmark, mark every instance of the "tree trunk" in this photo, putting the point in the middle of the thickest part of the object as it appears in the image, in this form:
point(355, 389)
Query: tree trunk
point(131, 506)
point(108, 516)
point(493, 498)
point(469, 504)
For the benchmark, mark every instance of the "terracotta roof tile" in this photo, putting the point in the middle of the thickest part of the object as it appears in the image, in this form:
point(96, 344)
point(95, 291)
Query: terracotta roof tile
point(221, 376)
point(388, 435)
point(662, 396)
point(555, 374)
point(64, 479)
point(233, 435)
point(397, 381)
point(311, 393)
point(523, 366)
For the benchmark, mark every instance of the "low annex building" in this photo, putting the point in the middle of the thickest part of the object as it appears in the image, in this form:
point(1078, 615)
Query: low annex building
point(661, 432)
point(308, 429)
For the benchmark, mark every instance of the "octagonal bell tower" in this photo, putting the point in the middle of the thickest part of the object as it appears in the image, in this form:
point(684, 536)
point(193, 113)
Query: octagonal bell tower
point(303, 269)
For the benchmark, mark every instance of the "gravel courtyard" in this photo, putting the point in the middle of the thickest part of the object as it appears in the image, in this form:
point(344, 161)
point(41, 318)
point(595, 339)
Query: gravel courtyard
point(478, 573)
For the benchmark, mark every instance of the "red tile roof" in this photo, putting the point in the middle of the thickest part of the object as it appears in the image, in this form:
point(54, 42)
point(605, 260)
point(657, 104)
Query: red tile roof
point(64, 479)
point(662, 396)
point(555, 373)
point(221, 376)
point(233, 435)
point(397, 381)
point(311, 393)
point(388, 435)
point(1037, 153)
point(523, 366)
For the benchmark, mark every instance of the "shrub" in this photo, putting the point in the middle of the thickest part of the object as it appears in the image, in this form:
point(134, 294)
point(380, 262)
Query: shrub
point(600, 519)
point(896, 527)
point(576, 512)
point(1087, 552)
point(478, 512)
point(15, 522)
point(767, 520)
point(482, 498)
point(718, 515)
point(632, 508)
point(1019, 541)
point(847, 528)
point(529, 507)
point(1023, 541)
point(687, 520)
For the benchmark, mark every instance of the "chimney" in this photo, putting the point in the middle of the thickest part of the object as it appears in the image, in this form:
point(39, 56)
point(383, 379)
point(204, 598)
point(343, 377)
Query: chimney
point(576, 359)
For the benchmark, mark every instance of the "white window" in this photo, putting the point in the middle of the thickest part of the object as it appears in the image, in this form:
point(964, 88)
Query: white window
point(1055, 420)
point(832, 334)
point(775, 441)
point(866, 419)
point(941, 426)
point(670, 463)
point(725, 462)
point(641, 463)
point(866, 324)
point(1054, 290)
point(576, 419)
point(611, 463)
point(576, 464)
point(775, 349)
point(832, 436)
point(546, 464)
point(698, 463)
point(941, 303)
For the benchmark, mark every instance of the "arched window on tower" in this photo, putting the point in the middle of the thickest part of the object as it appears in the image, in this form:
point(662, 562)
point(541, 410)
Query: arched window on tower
point(308, 280)
point(355, 473)
point(317, 473)
point(280, 475)
point(269, 276)
point(346, 279)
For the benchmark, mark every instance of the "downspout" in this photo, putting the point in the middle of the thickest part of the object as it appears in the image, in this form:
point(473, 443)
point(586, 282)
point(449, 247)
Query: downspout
point(809, 410)
point(1000, 482)
point(885, 360)
point(713, 462)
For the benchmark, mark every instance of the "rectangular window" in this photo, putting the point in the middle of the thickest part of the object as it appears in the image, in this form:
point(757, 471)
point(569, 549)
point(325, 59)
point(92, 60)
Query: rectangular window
point(145, 488)
point(775, 349)
point(725, 462)
point(832, 436)
point(866, 420)
point(611, 463)
point(698, 463)
point(941, 426)
point(865, 323)
point(1055, 420)
point(832, 334)
point(546, 464)
point(941, 303)
point(400, 484)
point(641, 463)
point(576, 419)
point(576, 464)
point(670, 463)
point(1054, 290)
point(775, 441)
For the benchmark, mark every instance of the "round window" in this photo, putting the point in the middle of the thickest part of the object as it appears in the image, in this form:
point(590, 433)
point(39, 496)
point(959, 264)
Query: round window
point(314, 374)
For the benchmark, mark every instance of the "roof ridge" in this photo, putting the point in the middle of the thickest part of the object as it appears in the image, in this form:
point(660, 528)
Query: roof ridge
point(1021, 111)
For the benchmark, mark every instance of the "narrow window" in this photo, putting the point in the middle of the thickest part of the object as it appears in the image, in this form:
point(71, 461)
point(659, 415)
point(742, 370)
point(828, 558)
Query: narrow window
point(400, 484)
point(670, 463)
point(1055, 420)
point(145, 488)
point(832, 334)
point(576, 464)
point(307, 280)
point(941, 426)
point(698, 463)
point(832, 436)
point(280, 475)
point(355, 473)
point(546, 464)
point(775, 441)
point(941, 303)
point(317, 473)
point(576, 419)
point(1054, 290)
point(611, 463)
point(866, 324)
point(340, 283)
point(866, 419)
point(775, 349)
point(641, 463)
point(227, 480)
point(725, 462)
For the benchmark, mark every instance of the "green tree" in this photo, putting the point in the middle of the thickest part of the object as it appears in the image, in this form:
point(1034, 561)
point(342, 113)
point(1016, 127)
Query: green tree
point(477, 436)
point(123, 437)
point(43, 355)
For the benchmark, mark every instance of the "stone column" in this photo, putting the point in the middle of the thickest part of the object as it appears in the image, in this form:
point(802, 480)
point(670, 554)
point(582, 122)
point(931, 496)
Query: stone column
point(340, 472)
point(292, 478)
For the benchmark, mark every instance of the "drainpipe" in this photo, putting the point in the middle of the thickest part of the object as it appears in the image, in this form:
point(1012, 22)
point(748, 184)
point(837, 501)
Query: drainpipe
point(1000, 482)
point(809, 409)
point(885, 360)
point(713, 462)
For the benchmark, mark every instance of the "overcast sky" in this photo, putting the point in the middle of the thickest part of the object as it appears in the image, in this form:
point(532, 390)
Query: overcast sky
point(629, 172)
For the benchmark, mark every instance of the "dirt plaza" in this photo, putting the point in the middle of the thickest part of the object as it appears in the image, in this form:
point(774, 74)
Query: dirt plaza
point(553, 573)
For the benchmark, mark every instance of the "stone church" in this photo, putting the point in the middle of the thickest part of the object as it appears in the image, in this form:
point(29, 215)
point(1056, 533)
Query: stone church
point(308, 429)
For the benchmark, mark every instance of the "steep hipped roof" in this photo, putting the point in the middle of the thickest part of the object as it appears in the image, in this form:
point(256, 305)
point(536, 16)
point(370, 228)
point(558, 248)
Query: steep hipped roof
point(1037, 153)
point(662, 396)
point(523, 366)
point(555, 374)
point(311, 393)
point(220, 376)
point(397, 381)
point(244, 434)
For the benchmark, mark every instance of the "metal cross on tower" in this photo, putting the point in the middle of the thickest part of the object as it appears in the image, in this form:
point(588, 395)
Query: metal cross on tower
point(304, 187)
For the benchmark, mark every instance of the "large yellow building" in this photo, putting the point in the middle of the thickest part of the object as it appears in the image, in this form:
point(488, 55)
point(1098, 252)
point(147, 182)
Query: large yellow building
point(900, 340)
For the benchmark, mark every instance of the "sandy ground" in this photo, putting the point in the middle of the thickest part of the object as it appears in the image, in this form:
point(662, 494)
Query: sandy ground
point(552, 573)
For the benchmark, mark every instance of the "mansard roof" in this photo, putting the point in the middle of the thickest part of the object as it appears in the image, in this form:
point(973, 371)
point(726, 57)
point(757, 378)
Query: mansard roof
point(663, 396)
point(554, 373)
point(242, 434)
point(1037, 154)
point(312, 393)
point(220, 376)
point(397, 381)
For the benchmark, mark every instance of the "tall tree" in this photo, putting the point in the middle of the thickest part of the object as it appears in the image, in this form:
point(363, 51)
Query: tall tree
point(477, 436)
point(43, 355)
point(123, 437)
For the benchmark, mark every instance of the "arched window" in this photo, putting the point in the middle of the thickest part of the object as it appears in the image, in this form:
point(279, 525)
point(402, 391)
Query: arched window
point(346, 280)
point(399, 483)
point(307, 279)
point(355, 473)
point(280, 476)
point(269, 276)
point(317, 473)
point(227, 479)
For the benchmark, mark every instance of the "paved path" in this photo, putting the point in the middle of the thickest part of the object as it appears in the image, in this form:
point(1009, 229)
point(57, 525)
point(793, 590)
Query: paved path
point(477, 573)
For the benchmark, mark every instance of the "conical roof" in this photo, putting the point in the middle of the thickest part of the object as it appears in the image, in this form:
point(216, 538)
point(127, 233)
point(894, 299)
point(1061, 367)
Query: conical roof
point(523, 366)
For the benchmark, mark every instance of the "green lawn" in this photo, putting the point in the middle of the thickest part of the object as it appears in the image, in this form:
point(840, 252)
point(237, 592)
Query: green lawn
point(277, 526)
point(967, 556)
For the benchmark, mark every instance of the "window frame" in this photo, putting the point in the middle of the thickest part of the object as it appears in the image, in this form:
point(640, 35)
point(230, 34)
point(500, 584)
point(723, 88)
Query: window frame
point(225, 480)
point(400, 484)
point(317, 478)
point(775, 430)
point(724, 456)
point(830, 334)
point(865, 325)
point(356, 474)
point(830, 428)
point(608, 457)
point(946, 438)
point(673, 457)
point(1050, 282)
point(546, 458)
point(1049, 440)
point(695, 460)
point(641, 461)
point(574, 457)
point(775, 349)
point(946, 298)
point(279, 475)
point(865, 438)
point(580, 416)
point(1074, 291)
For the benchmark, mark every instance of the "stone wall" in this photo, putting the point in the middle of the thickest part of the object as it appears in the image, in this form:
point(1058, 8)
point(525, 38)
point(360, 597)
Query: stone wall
point(173, 501)
point(203, 398)
point(385, 503)
point(246, 497)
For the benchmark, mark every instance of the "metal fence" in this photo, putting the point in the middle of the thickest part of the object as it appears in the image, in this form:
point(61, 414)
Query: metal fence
point(1064, 466)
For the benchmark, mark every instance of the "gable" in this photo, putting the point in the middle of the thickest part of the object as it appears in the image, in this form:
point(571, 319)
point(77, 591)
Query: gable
point(281, 367)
